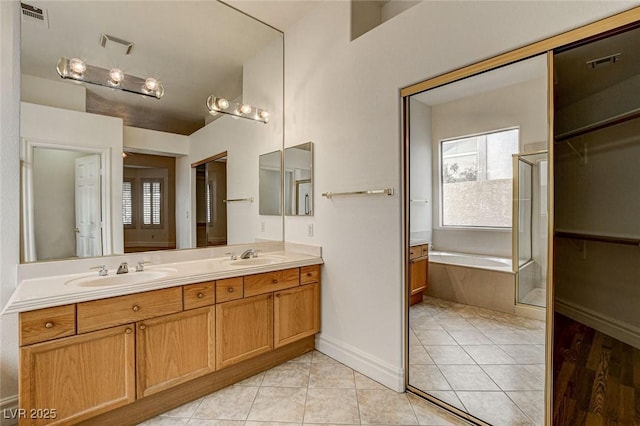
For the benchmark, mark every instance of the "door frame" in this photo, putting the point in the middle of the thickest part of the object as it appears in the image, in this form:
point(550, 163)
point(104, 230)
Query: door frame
point(28, 252)
point(546, 46)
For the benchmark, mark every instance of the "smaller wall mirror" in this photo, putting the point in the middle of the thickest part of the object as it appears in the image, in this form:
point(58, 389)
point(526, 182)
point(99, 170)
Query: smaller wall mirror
point(298, 180)
point(270, 191)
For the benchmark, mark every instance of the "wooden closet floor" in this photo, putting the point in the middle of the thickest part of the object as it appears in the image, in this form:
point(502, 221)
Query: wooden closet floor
point(596, 377)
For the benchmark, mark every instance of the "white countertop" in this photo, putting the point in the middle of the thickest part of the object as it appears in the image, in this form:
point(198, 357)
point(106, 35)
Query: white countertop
point(45, 292)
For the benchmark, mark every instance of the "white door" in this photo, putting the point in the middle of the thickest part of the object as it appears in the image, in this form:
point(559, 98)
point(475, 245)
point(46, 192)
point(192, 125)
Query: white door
point(88, 208)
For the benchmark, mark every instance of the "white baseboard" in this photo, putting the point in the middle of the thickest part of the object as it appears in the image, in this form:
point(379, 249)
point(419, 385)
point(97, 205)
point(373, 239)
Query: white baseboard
point(374, 368)
point(8, 411)
point(617, 329)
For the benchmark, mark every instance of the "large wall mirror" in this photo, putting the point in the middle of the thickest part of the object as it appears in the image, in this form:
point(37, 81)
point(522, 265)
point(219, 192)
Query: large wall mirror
point(474, 345)
point(133, 204)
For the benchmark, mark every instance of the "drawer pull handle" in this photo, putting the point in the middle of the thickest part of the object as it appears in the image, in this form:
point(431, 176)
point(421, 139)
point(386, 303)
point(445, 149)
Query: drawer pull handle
point(274, 281)
point(309, 274)
point(135, 308)
point(127, 331)
point(49, 324)
point(200, 295)
point(230, 289)
point(142, 326)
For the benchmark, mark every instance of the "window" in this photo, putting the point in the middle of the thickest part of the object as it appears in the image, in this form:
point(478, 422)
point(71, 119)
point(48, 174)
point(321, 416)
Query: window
point(476, 175)
point(128, 206)
point(151, 203)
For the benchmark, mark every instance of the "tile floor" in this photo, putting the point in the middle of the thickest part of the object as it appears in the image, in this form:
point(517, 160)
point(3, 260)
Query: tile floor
point(488, 363)
point(311, 389)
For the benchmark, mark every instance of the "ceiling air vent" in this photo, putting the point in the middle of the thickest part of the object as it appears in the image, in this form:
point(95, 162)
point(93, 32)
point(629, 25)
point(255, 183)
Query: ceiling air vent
point(34, 14)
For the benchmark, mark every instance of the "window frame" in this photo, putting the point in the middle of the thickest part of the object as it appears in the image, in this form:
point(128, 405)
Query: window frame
point(441, 181)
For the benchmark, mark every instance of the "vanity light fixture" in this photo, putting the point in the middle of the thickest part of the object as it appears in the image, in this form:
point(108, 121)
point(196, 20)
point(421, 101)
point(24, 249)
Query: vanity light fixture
point(78, 70)
point(221, 105)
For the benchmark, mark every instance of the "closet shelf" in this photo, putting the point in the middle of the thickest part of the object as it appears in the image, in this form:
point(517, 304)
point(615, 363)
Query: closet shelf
point(608, 122)
point(598, 238)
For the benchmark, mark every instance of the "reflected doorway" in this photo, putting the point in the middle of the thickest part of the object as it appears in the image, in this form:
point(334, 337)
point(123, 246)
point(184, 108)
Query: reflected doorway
point(148, 202)
point(211, 208)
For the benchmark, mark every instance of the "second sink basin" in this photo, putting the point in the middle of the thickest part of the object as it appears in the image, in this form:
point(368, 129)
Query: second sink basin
point(122, 279)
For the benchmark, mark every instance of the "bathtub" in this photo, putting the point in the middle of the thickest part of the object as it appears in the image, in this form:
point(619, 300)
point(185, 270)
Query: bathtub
point(471, 260)
point(476, 280)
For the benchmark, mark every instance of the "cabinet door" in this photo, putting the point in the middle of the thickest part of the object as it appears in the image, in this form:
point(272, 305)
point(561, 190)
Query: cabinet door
point(244, 328)
point(419, 274)
point(77, 377)
point(296, 314)
point(174, 349)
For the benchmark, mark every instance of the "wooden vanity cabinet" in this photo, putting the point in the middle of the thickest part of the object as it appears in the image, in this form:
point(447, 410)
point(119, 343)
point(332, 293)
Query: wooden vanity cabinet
point(83, 360)
point(174, 349)
point(419, 272)
point(296, 314)
point(66, 380)
point(244, 329)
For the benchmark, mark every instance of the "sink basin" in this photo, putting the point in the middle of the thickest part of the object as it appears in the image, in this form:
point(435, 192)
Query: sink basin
point(122, 279)
point(257, 261)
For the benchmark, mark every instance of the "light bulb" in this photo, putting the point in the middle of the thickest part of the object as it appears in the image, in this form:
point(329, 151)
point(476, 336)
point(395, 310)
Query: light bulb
point(264, 115)
point(222, 103)
point(77, 66)
point(115, 76)
point(151, 84)
point(245, 109)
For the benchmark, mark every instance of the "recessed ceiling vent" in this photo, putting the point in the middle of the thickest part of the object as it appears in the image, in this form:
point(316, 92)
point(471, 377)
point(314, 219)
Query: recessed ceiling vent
point(35, 15)
point(606, 60)
point(115, 44)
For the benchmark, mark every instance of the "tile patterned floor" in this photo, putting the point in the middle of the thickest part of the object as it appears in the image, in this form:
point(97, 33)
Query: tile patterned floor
point(311, 389)
point(485, 362)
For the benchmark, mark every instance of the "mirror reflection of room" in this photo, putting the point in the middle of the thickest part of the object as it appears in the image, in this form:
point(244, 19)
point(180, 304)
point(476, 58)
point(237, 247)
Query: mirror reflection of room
point(211, 199)
point(477, 258)
point(298, 180)
point(185, 115)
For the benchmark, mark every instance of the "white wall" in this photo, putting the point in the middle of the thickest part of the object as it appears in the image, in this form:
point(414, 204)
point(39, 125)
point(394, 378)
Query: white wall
point(40, 123)
point(344, 96)
point(420, 148)
point(54, 202)
point(59, 94)
point(10, 199)
point(522, 105)
point(147, 141)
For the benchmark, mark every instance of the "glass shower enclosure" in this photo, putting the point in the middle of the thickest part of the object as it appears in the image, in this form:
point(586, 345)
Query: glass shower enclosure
point(530, 227)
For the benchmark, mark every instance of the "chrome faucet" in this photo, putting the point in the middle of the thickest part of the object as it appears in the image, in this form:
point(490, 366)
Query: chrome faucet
point(123, 268)
point(249, 253)
point(102, 270)
point(140, 265)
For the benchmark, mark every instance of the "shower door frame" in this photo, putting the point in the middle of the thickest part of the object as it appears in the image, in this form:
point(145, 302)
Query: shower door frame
point(515, 223)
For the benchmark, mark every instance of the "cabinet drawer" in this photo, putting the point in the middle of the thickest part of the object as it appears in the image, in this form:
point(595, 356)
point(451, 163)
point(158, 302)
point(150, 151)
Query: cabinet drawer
point(47, 324)
point(229, 289)
point(415, 252)
point(310, 274)
point(271, 281)
point(105, 313)
point(425, 250)
point(199, 295)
